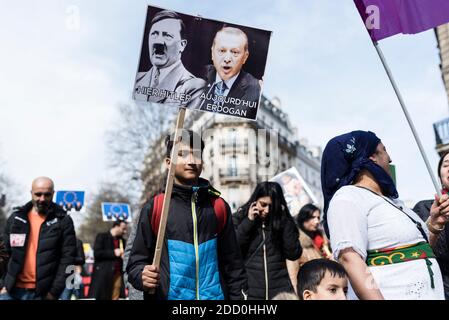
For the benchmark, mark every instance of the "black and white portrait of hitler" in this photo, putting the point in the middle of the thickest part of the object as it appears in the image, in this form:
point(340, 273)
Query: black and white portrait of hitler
point(168, 81)
point(230, 89)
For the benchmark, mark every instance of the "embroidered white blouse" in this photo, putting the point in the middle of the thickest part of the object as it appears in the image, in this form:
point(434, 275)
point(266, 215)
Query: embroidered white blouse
point(362, 220)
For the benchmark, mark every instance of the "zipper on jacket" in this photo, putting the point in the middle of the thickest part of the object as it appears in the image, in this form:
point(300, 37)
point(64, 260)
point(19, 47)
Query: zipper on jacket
point(37, 250)
point(265, 261)
point(25, 245)
point(195, 244)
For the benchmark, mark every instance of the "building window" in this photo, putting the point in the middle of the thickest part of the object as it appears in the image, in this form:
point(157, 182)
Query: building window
point(233, 136)
point(234, 198)
point(232, 169)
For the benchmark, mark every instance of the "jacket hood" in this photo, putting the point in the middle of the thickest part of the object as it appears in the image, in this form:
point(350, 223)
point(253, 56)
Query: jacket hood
point(203, 189)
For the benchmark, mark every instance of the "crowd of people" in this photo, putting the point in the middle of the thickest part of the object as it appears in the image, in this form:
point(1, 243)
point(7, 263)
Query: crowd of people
point(366, 245)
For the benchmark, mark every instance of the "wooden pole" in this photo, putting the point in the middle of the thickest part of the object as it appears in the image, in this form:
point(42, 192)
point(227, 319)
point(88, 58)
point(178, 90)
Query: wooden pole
point(168, 189)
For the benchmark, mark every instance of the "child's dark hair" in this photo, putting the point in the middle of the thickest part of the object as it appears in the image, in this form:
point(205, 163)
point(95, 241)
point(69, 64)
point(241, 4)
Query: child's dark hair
point(118, 222)
point(193, 137)
point(313, 271)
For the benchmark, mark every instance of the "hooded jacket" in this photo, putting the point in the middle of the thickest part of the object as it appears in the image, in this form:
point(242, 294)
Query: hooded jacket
point(56, 249)
point(197, 262)
point(265, 258)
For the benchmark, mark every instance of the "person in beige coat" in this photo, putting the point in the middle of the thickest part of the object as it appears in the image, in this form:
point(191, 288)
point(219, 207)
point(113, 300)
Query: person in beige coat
point(313, 240)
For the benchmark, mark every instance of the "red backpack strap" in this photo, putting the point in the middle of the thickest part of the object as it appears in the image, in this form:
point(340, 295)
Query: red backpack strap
point(220, 211)
point(158, 201)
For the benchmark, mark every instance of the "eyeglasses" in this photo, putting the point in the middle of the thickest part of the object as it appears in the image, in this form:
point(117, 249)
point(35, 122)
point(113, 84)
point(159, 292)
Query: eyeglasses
point(45, 194)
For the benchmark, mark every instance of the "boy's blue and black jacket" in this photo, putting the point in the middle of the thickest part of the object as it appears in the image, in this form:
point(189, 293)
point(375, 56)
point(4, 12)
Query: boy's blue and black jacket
point(197, 263)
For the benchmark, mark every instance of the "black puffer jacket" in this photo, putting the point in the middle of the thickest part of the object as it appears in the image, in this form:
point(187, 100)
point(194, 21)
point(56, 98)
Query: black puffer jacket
point(265, 263)
point(80, 258)
point(3, 257)
point(56, 249)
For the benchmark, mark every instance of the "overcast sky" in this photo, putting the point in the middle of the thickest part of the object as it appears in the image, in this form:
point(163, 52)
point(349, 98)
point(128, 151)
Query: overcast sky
point(61, 79)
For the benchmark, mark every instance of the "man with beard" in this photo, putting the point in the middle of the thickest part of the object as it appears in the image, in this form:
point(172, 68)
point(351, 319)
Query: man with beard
point(40, 241)
point(168, 81)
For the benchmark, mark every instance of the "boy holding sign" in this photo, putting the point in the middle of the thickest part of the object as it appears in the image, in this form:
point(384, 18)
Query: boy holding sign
point(201, 259)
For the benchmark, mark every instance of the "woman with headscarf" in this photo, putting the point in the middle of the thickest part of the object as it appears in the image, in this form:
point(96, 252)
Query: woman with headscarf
point(384, 246)
point(422, 208)
point(267, 236)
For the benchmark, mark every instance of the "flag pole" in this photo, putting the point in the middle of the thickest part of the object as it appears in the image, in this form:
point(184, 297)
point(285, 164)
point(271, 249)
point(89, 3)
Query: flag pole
point(407, 116)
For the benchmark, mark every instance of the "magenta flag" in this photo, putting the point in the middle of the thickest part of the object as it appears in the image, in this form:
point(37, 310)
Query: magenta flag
point(385, 18)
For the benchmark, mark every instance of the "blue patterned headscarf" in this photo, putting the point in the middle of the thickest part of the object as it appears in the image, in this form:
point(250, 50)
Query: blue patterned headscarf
point(344, 157)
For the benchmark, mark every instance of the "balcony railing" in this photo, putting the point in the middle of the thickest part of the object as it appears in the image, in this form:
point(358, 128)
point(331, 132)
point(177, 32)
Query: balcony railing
point(234, 174)
point(229, 145)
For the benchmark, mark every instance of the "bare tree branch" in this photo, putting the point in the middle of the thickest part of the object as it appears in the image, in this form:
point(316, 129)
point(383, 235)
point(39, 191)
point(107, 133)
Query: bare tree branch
point(129, 141)
point(8, 199)
point(93, 223)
